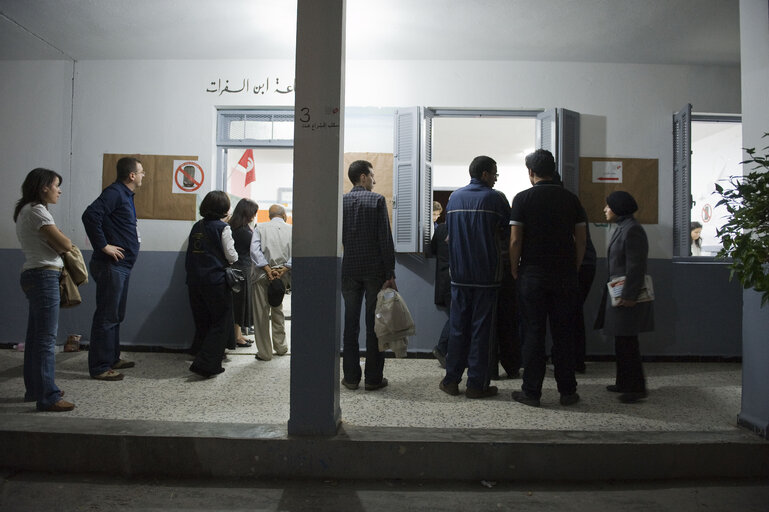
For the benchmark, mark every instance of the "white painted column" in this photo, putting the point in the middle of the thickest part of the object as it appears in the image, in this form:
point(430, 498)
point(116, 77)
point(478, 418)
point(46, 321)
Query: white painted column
point(754, 53)
point(318, 157)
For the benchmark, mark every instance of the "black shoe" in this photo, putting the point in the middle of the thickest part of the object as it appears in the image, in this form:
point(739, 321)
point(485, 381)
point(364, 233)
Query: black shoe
point(495, 376)
point(615, 389)
point(522, 397)
point(571, 399)
point(515, 374)
point(452, 388)
point(633, 397)
point(205, 373)
point(481, 393)
point(440, 357)
point(580, 369)
point(374, 387)
point(350, 385)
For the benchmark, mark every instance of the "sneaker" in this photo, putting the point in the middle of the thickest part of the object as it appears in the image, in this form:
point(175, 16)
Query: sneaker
point(61, 406)
point(633, 397)
point(373, 387)
point(108, 375)
point(481, 393)
point(452, 388)
point(440, 357)
point(350, 385)
point(569, 399)
point(123, 364)
point(523, 398)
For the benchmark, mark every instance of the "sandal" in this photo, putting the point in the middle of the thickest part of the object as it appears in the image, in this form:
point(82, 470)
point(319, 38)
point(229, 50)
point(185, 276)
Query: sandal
point(245, 343)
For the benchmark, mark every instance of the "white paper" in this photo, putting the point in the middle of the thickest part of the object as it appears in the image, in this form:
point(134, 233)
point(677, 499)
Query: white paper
point(607, 172)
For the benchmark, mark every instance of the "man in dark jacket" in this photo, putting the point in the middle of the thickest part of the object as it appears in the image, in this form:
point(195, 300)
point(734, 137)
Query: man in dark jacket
point(476, 218)
point(111, 226)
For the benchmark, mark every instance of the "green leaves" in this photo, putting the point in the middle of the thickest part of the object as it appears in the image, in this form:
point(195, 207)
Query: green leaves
point(745, 237)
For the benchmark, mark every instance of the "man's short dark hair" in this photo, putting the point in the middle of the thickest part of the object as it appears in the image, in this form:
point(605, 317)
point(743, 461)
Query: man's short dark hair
point(215, 205)
point(541, 163)
point(481, 164)
point(357, 169)
point(125, 166)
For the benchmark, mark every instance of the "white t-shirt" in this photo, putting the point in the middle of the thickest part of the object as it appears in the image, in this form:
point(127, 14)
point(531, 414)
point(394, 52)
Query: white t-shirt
point(37, 251)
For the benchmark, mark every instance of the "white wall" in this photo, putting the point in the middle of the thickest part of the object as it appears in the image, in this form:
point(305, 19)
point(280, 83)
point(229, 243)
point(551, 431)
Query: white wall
point(35, 101)
point(162, 107)
point(626, 109)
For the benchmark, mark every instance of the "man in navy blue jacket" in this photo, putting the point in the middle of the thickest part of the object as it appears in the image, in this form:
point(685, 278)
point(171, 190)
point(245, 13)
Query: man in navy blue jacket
point(476, 217)
point(110, 223)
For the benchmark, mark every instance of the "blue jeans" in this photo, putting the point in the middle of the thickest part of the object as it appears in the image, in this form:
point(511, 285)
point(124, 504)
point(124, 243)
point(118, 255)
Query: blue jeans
point(473, 326)
point(42, 290)
point(353, 290)
point(546, 297)
point(111, 292)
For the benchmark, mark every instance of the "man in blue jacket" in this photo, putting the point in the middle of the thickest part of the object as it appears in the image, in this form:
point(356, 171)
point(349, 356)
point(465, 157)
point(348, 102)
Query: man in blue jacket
point(110, 223)
point(476, 217)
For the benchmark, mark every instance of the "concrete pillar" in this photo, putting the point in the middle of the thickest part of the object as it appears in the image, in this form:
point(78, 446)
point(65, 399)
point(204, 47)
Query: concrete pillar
point(318, 157)
point(754, 54)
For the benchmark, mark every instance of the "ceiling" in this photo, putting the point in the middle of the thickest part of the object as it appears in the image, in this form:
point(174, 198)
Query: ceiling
point(636, 31)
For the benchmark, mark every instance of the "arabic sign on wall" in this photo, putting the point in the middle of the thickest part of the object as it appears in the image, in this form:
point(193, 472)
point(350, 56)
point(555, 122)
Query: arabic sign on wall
point(188, 177)
point(249, 86)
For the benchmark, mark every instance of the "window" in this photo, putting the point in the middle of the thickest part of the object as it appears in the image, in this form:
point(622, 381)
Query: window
point(432, 153)
point(255, 156)
point(707, 149)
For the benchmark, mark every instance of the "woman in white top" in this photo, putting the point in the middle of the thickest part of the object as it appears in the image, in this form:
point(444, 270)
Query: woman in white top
point(42, 243)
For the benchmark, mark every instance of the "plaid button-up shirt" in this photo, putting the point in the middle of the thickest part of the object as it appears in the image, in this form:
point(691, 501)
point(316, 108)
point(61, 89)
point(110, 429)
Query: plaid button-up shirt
point(366, 235)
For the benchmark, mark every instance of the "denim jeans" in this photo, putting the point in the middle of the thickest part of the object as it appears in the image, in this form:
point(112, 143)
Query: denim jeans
point(547, 297)
point(353, 290)
point(42, 290)
point(111, 292)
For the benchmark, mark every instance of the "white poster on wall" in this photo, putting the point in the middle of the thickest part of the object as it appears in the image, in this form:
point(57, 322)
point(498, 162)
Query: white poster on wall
point(188, 177)
point(607, 172)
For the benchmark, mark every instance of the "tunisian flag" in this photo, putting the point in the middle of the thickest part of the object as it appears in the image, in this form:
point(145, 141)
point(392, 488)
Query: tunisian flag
point(247, 163)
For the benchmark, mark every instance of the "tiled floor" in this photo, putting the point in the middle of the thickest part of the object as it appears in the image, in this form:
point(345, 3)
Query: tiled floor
point(701, 397)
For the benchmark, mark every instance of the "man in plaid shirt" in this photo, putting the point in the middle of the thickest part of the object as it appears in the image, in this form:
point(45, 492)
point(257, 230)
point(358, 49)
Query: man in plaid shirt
point(368, 265)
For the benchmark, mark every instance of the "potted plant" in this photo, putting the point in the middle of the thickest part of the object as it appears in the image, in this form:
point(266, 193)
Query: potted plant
point(745, 237)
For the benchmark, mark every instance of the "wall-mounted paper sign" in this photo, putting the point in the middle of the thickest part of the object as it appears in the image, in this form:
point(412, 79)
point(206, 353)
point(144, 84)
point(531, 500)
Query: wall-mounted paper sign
point(188, 177)
point(607, 172)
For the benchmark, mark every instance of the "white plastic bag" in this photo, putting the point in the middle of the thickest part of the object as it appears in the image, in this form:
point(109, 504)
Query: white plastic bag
point(392, 322)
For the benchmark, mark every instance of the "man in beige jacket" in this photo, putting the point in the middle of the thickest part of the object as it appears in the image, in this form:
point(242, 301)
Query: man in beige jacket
point(271, 260)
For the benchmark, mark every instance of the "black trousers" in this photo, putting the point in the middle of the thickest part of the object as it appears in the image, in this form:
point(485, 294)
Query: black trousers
point(214, 326)
point(585, 281)
point(546, 298)
point(508, 340)
point(630, 373)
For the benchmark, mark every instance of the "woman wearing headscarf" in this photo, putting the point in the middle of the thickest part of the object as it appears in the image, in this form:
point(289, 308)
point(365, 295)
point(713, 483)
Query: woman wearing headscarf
point(627, 255)
point(209, 251)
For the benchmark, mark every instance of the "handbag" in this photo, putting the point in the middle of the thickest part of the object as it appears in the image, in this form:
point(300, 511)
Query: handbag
point(68, 293)
point(234, 278)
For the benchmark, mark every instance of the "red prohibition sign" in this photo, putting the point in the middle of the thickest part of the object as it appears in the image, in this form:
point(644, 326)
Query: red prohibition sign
point(187, 179)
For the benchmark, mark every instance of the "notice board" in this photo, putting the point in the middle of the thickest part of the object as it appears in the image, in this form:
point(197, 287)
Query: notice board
point(155, 199)
point(639, 177)
point(383, 175)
